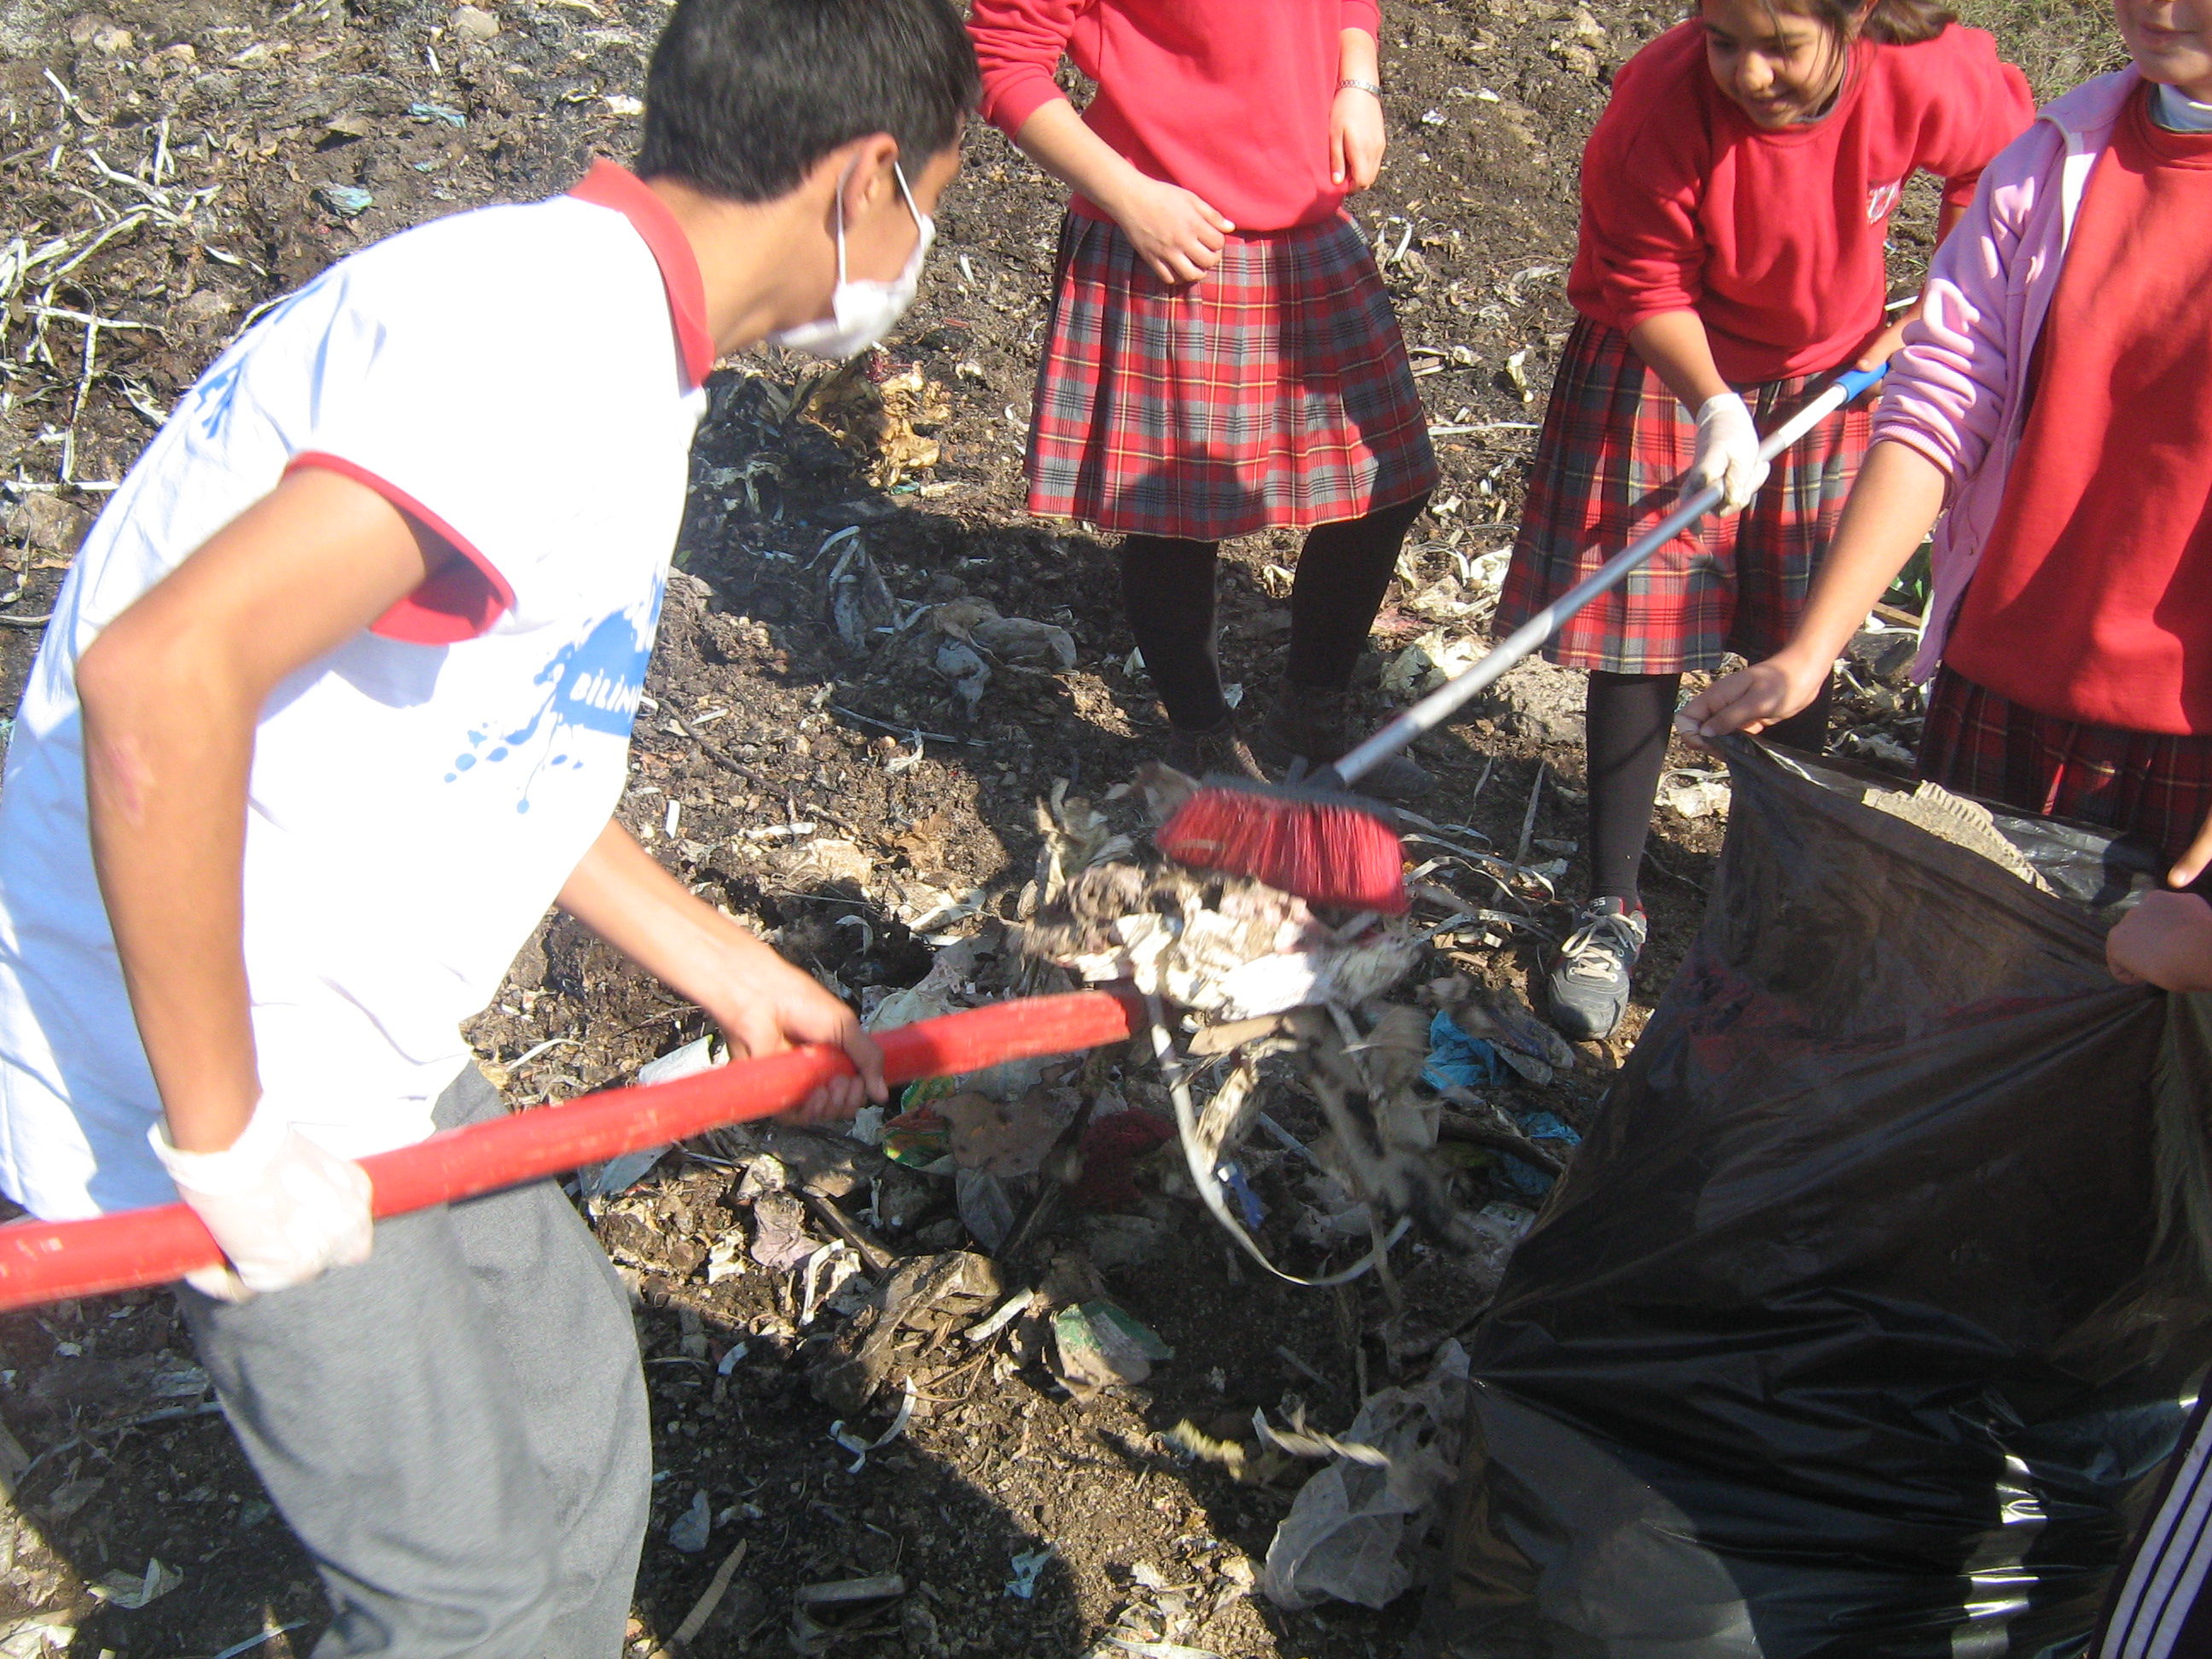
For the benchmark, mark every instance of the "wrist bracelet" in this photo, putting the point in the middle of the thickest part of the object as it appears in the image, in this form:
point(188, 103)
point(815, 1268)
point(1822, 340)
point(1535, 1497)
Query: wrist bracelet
point(1349, 84)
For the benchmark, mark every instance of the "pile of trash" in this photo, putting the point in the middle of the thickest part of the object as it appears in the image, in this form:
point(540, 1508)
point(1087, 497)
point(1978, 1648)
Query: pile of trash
point(1327, 1086)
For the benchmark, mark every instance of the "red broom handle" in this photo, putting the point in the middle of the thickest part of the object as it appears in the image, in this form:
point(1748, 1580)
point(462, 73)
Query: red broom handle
point(46, 1261)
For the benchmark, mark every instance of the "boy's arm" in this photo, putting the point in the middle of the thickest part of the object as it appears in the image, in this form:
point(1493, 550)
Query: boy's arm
point(763, 1004)
point(171, 691)
point(1897, 497)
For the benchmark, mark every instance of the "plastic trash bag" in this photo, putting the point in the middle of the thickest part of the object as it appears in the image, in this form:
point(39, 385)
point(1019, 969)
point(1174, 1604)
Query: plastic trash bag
point(1860, 1323)
point(1356, 1530)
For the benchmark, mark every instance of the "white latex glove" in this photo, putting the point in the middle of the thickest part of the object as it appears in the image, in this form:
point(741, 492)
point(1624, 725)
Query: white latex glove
point(1727, 453)
point(282, 1207)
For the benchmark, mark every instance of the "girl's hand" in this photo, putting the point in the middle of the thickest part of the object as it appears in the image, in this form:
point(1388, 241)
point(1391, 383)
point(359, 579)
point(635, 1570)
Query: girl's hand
point(1178, 235)
point(1752, 699)
point(1727, 453)
point(2165, 941)
point(2192, 862)
point(1356, 139)
point(1884, 346)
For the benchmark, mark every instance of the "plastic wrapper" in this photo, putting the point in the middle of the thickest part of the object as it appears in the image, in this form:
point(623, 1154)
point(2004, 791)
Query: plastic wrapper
point(1861, 1322)
point(1357, 1529)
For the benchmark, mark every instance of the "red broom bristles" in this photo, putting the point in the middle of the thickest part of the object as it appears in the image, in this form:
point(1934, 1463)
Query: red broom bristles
point(1325, 852)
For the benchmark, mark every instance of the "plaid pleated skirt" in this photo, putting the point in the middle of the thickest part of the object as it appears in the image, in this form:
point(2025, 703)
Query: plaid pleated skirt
point(1275, 393)
point(1976, 742)
point(1615, 441)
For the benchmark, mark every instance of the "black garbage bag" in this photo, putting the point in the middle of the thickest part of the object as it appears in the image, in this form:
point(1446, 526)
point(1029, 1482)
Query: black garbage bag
point(1861, 1324)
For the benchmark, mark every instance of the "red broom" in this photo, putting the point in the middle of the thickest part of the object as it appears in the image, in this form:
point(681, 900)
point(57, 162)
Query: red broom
point(44, 1261)
point(1315, 839)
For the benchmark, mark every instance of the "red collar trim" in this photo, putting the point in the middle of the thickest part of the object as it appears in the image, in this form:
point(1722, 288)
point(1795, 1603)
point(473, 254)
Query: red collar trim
point(608, 186)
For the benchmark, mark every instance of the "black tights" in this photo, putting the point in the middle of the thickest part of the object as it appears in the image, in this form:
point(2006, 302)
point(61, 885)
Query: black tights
point(1344, 570)
point(1629, 717)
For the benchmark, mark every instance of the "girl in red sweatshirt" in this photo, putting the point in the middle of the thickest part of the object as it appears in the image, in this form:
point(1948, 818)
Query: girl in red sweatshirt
point(1736, 193)
point(1223, 357)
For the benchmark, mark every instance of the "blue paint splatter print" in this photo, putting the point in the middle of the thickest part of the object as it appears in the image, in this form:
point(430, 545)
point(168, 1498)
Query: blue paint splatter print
point(590, 686)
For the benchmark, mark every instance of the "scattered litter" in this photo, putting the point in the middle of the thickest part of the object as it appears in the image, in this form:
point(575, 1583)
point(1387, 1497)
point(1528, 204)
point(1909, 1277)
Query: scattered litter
point(986, 1209)
point(1027, 1567)
point(729, 1361)
point(1951, 818)
point(1008, 1140)
point(347, 201)
point(452, 118)
point(1192, 1441)
point(1009, 1311)
point(1299, 1441)
point(860, 1447)
point(1355, 1532)
point(918, 1138)
point(1427, 663)
point(1099, 1346)
point(703, 1608)
point(843, 1592)
point(1225, 946)
point(689, 1531)
point(1109, 1150)
point(120, 1590)
point(779, 1240)
point(33, 1638)
point(1694, 793)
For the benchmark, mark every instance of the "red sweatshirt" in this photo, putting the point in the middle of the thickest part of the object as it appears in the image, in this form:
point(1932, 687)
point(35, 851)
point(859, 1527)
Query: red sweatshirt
point(1775, 239)
point(1229, 99)
point(2092, 601)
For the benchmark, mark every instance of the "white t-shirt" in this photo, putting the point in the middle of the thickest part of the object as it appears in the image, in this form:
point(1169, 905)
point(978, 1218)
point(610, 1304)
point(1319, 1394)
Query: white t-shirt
point(525, 381)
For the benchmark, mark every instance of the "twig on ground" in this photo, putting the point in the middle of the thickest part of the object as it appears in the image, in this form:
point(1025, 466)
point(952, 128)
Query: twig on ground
point(717, 1587)
point(1528, 817)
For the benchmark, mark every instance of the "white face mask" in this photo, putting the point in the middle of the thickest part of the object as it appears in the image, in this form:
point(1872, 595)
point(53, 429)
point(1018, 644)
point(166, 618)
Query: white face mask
point(862, 311)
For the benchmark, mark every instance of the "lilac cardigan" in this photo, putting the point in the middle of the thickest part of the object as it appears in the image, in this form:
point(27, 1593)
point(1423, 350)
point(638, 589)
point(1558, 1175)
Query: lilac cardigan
point(1954, 389)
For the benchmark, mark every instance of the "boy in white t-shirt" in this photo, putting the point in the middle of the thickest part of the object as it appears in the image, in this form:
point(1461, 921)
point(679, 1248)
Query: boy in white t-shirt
point(334, 702)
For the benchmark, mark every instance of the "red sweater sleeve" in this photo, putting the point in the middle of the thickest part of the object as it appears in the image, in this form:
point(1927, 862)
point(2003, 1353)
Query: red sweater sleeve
point(1980, 104)
point(1018, 45)
point(1642, 251)
point(1363, 15)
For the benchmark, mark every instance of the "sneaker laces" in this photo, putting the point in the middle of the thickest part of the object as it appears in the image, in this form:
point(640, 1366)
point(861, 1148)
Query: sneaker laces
point(1601, 947)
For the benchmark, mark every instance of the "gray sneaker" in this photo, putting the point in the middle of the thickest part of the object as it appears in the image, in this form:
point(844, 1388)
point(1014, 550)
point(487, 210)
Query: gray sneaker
point(1589, 985)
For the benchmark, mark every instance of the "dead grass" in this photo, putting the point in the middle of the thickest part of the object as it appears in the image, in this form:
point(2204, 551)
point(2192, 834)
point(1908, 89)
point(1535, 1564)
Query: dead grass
point(2058, 44)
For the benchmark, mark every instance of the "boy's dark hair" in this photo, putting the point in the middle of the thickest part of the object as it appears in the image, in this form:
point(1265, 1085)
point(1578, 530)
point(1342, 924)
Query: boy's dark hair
point(744, 96)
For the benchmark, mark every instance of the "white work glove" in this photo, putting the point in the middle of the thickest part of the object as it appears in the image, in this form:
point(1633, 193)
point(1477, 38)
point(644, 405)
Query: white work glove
point(1727, 453)
point(282, 1207)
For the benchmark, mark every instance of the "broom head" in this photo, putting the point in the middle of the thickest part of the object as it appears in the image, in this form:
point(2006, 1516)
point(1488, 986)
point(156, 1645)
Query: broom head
point(1325, 846)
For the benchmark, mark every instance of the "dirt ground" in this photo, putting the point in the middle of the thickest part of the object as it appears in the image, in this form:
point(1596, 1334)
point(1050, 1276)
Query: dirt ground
point(808, 759)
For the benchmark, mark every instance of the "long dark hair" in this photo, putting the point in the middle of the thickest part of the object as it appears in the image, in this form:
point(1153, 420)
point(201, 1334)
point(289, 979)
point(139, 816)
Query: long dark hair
point(1887, 22)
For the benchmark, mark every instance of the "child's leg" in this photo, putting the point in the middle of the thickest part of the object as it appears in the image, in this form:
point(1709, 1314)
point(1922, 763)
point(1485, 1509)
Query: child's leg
point(455, 1429)
point(1344, 570)
point(1630, 718)
point(1167, 592)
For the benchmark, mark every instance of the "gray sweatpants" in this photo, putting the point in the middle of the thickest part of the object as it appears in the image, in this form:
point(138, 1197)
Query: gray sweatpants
point(455, 1429)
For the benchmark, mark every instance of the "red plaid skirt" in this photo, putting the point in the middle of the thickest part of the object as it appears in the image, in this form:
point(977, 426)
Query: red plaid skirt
point(1275, 393)
point(1615, 441)
point(2153, 783)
